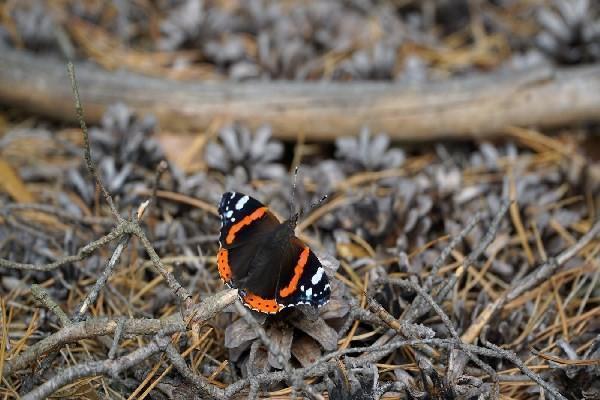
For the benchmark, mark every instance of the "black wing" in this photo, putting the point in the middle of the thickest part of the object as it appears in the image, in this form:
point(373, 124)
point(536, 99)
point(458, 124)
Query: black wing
point(245, 225)
point(243, 219)
point(303, 279)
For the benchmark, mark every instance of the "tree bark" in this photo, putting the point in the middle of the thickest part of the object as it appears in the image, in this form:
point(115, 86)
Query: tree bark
point(479, 106)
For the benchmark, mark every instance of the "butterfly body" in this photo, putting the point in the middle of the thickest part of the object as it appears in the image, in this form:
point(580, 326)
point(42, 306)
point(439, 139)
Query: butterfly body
point(264, 260)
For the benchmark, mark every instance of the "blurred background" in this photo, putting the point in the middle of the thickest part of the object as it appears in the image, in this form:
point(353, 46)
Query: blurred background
point(412, 116)
point(402, 40)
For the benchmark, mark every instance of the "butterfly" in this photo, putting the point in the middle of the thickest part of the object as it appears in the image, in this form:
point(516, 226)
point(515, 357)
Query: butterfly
point(261, 257)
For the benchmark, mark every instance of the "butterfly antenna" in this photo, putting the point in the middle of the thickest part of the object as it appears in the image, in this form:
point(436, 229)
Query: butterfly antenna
point(315, 204)
point(318, 202)
point(294, 191)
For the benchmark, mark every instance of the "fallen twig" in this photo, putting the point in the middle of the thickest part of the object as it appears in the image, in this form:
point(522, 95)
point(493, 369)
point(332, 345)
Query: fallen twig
point(481, 106)
point(90, 328)
point(107, 367)
point(41, 295)
point(534, 278)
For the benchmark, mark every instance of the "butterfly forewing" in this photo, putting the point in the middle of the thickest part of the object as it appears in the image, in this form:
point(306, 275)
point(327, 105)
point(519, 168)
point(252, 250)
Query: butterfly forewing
point(243, 219)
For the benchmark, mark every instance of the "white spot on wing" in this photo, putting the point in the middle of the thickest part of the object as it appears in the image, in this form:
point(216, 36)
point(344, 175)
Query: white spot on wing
point(232, 195)
point(309, 292)
point(241, 202)
point(229, 213)
point(317, 276)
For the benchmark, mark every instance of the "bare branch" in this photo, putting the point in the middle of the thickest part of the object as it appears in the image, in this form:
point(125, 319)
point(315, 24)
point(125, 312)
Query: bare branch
point(88, 153)
point(82, 254)
point(175, 286)
point(105, 326)
point(451, 108)
point(437, 264)
point(204, 387)
point(117, 336)
point(512, 357)
point(448, 324)
point(294, 378)
point(89, 329)
point(106, 367)
point(534, 278)
point(101, 281)
point(419, 307)
point(41, 295)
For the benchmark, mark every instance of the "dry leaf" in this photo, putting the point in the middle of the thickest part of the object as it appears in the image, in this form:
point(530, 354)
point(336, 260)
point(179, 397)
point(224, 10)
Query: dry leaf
point(318, 330)
point(281, 336)
point(306, 351)
point(238, 334)
point(336, 308)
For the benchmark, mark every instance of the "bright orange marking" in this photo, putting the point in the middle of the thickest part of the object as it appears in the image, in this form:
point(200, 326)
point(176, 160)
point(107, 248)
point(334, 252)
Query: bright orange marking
point(223, 265)
point(298, 269)
point(259, 212)
point(261, 304)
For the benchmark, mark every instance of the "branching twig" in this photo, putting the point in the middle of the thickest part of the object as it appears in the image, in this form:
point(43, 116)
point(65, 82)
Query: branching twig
point(88, 154)
point(437, 264)
point(117, 336)
point(82, 254)
point(205, 389)
point(175, 286)
point(95, 327)
point(448, 324)
point(90, 328)
point(101, 281)
point(402, 327)
point(512, 357)
point(534, 278)
point(294, 378)
point(41, 295)
point(488, 238)
point(547, 269)
point(419, 307)
point(106, 367)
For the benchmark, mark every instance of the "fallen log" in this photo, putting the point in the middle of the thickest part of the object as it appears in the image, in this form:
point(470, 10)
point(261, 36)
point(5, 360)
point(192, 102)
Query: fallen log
point(479, 106)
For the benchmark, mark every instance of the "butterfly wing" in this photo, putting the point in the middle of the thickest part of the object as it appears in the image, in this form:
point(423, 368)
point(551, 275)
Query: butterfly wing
point(243, 218)
point(250, 268)
point(270, 276)
point(245, 223)
point(285, 277)
point(303, 279)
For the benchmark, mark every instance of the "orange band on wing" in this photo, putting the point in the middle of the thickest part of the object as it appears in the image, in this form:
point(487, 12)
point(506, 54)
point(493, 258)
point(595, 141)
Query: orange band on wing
point(298, 270)
point(223, 265)
point(261, 304)
point(258, 213)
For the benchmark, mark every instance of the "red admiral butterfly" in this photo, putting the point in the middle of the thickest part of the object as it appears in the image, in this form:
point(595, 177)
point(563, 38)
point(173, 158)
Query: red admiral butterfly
point(262, 257)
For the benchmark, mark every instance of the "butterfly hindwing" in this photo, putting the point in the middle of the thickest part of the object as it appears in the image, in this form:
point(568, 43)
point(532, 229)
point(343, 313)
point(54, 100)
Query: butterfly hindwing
point(304, 280)
point(241, 257)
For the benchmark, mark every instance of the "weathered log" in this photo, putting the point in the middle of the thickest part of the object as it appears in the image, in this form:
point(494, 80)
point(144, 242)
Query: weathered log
point(481, 106)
